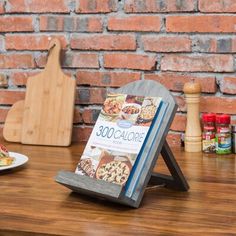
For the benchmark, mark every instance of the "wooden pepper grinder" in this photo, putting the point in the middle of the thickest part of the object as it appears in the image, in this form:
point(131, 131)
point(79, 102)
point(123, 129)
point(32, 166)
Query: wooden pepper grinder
point(193, 133)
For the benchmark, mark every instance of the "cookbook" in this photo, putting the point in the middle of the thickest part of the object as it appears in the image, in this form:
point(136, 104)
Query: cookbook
point(118, 136)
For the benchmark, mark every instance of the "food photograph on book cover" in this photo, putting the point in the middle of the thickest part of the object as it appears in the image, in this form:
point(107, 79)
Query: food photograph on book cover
point(138, 110)
point(117, 137)
point(108, 165)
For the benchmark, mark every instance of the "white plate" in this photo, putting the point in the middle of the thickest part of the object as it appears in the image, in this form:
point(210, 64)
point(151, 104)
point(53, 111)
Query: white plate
point(20, 159)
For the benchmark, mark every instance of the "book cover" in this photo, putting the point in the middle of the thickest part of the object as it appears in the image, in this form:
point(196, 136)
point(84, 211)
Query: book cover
point(117, 137)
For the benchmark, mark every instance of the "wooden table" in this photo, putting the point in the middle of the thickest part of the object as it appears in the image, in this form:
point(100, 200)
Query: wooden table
point(33, 204)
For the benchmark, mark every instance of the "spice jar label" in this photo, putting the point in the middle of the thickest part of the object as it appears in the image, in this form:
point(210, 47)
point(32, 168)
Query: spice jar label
point(208, 143)
point(223, 144)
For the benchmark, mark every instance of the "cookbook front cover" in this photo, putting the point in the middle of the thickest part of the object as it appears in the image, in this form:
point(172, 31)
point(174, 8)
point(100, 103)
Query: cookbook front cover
point(117, 137)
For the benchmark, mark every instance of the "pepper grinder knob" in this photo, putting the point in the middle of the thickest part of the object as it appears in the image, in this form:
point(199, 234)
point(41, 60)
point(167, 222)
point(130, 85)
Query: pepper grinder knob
point(193, 133)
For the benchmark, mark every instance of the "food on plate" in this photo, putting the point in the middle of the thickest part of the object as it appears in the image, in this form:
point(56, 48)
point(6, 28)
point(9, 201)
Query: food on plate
point(86, 166)
point(116, 172)
point(3, 151)
point(148, 112)
point(130, 110)
point(5, 159)
point(112, 106)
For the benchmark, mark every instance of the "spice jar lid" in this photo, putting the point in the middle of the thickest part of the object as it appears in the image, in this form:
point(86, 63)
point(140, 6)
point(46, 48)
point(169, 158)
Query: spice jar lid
point(223, 119)
point(208, 117)
point(233, 128)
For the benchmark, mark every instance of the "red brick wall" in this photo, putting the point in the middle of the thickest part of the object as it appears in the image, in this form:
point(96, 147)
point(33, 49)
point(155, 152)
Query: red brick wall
point(109, 43)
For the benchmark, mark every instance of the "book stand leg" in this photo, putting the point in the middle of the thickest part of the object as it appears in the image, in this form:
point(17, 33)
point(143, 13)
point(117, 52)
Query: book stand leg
point(176, 180)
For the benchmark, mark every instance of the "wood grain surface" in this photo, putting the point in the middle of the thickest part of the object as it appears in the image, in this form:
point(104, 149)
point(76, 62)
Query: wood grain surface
point(49, 104)
point(33, 204)
point(13, 124)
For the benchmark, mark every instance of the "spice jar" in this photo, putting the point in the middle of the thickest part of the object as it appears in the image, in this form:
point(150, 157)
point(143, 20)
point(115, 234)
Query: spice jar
point(208, 134)
point(223, 134)
point(233, 130)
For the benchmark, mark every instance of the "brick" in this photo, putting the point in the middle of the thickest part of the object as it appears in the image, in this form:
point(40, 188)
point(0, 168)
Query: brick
point(217, 6)
point(71, 23)
point(77, 116)
point(175, 82)
point(105, 79)
point(144, 23)
point(96, 6)
point(73, 60)
point(208, 63)
point(228, 85)
point(3, 81)
point(179, 123)
point(31, 42)
point(19, 78)
point(2, 9)
point(166, 43)
point(16, 24)
point(174, 139)
point(103, 42)
point(225, 45)
point(153, 6)
point(201, 23)
point(205, 44)
point(218, 104)
point(130, 61)
point(35, 6)
point(233, 45)
point(81, 134)
point(181, 103)
point(215, 44)
point(81, 60)
point(3, 114)
point(90, 115)
point(87, 116)
point(9, 97)
point(213, 104)
point(41, 60)
point(91, 95)
point(16, 61)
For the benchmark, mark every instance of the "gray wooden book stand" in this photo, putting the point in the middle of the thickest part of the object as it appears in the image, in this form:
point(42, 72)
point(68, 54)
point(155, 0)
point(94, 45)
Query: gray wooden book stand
point(155, 144)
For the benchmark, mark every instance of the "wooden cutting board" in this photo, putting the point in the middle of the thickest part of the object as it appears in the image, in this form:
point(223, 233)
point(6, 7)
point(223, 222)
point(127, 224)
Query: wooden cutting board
point(13, 124)
point(49, 104)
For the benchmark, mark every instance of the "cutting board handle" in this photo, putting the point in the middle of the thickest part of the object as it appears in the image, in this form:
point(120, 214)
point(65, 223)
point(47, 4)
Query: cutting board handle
point(53, 55)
